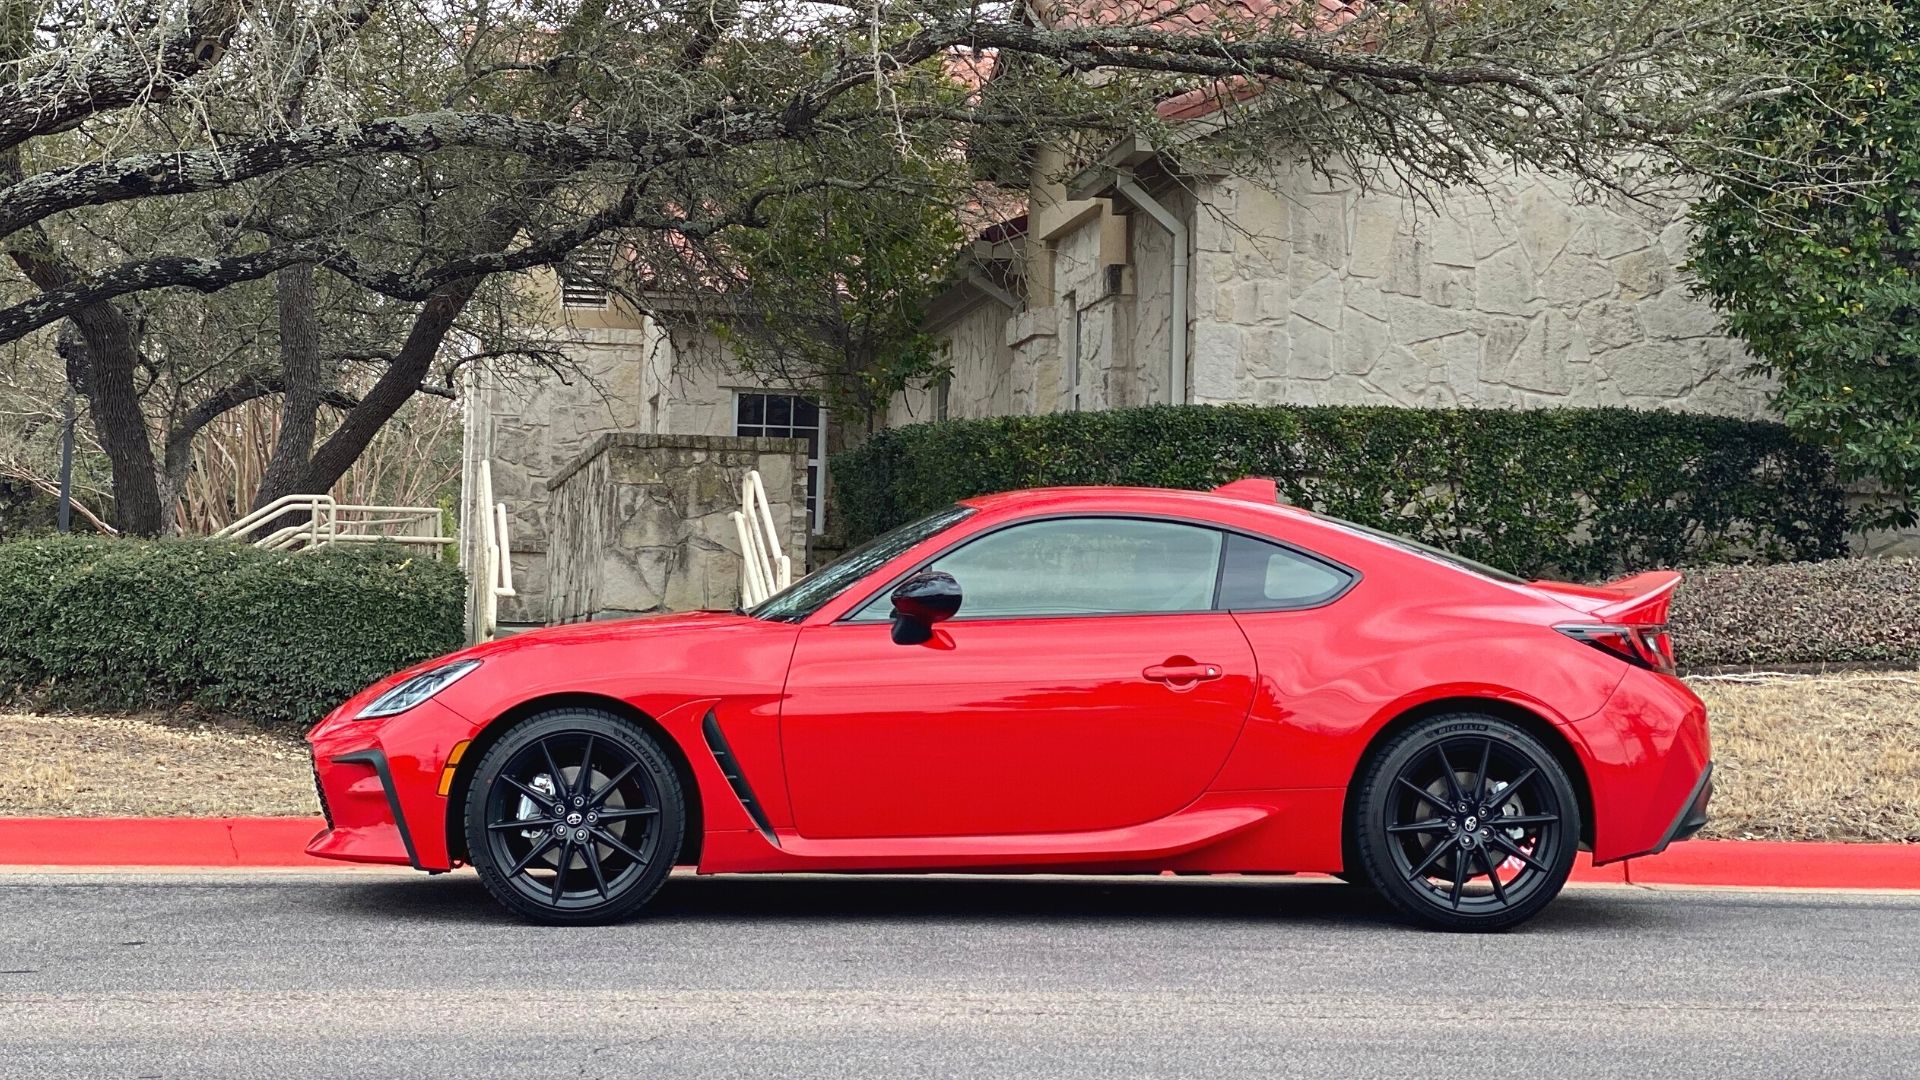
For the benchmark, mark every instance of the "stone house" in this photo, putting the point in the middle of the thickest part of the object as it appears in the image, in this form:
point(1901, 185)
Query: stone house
point(1130, 283)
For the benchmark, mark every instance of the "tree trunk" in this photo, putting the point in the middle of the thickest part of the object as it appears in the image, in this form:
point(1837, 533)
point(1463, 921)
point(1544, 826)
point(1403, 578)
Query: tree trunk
point(397, 384)
point(104, 344)
point(302, 378)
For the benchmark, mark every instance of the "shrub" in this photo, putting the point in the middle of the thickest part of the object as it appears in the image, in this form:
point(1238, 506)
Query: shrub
point(1846, 611)
point(119, 624)
point(1577, 492)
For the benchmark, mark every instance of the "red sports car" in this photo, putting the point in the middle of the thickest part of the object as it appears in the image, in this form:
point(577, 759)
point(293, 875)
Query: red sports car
point(1083, 680)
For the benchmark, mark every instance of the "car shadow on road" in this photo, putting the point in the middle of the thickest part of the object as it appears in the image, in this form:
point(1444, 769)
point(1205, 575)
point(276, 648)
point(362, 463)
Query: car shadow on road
point(459, 897)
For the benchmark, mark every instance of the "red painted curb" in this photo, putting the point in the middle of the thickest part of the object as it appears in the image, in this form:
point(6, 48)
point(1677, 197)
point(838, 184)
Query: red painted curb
point(282, 842)
point(254, 841)
point(1781, 864)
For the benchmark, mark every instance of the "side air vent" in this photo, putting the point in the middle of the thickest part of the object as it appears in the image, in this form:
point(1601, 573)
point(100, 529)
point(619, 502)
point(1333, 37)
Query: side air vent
point(736, 779)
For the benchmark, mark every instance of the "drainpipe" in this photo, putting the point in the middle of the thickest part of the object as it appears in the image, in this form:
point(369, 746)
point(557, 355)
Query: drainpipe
point(1177, 330)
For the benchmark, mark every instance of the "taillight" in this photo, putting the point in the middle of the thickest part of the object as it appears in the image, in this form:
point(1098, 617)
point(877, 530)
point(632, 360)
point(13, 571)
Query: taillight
point(1648, 647)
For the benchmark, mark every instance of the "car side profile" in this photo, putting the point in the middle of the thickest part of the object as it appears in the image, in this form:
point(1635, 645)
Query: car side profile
point(1070, 680)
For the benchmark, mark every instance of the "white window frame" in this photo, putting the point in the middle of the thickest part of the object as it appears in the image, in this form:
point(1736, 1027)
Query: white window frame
point(816, 461)
point(1073, 355)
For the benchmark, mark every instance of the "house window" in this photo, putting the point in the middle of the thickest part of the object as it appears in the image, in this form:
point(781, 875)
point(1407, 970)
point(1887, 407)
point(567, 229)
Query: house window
point(583, 278)
point(942, 392)
point(788, 416)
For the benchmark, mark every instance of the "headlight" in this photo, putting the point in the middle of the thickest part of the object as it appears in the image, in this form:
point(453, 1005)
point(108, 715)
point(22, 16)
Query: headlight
point(416, 690)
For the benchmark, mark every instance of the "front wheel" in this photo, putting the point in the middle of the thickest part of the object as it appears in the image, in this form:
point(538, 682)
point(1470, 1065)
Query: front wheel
point(1466, 822)
point(575, 816)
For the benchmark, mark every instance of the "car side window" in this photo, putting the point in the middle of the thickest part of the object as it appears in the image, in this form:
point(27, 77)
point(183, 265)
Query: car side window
point(1259, 575)
point(1081, 566)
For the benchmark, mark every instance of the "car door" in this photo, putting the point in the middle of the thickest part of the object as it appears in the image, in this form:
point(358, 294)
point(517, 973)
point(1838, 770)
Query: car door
point(1086, 683)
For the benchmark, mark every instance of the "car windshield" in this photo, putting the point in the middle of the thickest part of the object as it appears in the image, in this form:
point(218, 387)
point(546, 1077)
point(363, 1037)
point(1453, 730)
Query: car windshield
point(804, 597)
point(1443, 555)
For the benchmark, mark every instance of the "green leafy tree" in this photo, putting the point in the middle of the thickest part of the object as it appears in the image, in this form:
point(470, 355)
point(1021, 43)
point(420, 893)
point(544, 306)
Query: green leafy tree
point(833, 293)
point(1810, 245)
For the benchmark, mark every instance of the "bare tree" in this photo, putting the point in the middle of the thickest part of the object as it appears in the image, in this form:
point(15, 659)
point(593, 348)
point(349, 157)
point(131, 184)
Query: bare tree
point(415, 153)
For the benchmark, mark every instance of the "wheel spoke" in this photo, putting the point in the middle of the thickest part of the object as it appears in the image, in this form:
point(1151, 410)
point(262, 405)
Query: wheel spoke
point(1522, 819)
point(1513, 789)
point(553, 771)
point(585, 779)
point(1514, 849)
point(560, 868)
point(1493, 874)
point(1480, 780)
point(538, 850)
point(1425, 794)
point(528, 823)
point(539, 797)
point(625, 812)
point(606, 789)
point(1430, 825)
point(593, 864)
point(1459, 877)
point(1433, 856)
point(1446, 769)
point(620, 846)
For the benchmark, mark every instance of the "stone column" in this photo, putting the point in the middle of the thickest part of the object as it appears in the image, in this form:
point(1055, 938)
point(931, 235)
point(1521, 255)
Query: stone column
point(640, 523)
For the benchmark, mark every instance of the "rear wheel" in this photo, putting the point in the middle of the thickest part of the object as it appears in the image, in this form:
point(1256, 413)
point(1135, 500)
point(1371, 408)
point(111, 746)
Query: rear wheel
point(1466, 822)
point(574, 816)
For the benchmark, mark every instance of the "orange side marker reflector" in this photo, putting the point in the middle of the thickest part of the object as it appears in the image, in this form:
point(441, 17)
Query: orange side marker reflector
point(453, 760)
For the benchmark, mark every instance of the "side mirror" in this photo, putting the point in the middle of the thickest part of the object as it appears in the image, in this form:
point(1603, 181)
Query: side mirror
point(927, 597)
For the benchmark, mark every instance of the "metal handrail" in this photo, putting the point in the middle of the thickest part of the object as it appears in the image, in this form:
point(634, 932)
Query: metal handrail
point(764, 568)
point(324, 525)
point(495, 580)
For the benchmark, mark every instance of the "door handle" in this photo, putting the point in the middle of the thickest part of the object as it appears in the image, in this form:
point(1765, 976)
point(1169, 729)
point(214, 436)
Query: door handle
point(1181, 673)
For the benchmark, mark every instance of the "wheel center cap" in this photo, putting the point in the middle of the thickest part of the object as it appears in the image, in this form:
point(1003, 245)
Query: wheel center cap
point(573, 819)
point(1472, 822)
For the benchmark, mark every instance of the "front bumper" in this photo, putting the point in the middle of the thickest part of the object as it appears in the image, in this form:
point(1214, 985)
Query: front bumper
point(379, 783)
point(376, 833)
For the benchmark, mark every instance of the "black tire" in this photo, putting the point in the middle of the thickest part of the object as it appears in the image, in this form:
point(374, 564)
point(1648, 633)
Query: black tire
point(1423, 831)
point(594, 852)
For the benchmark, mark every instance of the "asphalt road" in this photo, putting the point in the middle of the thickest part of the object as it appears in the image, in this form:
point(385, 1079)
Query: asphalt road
point(378, 975)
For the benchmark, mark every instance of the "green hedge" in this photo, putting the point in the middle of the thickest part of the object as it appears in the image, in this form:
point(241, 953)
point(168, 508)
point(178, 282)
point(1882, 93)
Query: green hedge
point(1582, 493)
point(282, 638)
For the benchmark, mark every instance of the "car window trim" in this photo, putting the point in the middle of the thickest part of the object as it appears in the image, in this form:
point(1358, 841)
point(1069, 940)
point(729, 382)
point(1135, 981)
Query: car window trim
point(1219, 571)
point(1351, 575)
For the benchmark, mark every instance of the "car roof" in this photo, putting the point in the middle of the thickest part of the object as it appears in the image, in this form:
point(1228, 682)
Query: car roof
point(1203, 503)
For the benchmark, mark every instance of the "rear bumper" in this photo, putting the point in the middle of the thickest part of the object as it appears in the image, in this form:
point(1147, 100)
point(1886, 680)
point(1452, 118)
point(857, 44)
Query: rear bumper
point(1649, 766)
point(1694, 817)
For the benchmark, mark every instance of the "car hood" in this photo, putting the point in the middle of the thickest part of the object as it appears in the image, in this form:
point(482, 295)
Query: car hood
point(611, 631)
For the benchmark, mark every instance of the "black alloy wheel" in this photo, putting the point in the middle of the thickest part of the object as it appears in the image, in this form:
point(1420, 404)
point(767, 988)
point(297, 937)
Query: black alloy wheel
point(1466, 822)
point(574, 816)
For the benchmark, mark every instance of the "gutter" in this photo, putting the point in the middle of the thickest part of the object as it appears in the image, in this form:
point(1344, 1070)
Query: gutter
point(1177, 318)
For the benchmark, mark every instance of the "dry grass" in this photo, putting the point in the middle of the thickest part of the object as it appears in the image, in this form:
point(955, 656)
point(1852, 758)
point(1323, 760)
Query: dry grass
point(1819, 757)
point(1822, 757)
point(94, 766)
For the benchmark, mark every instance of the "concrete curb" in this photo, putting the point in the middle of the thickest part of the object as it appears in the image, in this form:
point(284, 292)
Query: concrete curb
point(282, 841)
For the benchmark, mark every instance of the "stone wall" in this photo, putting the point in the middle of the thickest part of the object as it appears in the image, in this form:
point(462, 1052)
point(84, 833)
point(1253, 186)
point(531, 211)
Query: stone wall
point(529, 423)
point(1520, 295)
point(1310, 291)
point(640, 523)
point(982, 363)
